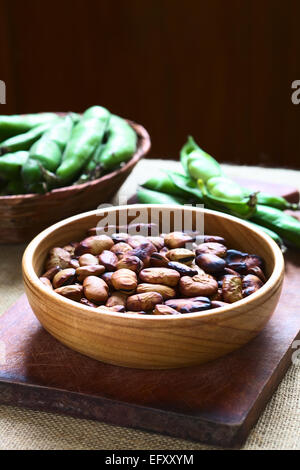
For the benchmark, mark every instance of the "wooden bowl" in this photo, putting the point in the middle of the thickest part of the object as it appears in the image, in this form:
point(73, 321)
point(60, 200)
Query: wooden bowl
point(24, 216)
point(145, 341)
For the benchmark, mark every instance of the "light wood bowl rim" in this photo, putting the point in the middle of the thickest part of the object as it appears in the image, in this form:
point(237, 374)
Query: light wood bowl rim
point(143, 147)
point(258, 298)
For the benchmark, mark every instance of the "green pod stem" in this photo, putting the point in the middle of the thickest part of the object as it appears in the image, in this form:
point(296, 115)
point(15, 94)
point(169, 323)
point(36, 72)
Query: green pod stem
point(284, 225)
point(18, 124)
point(11, 164)
point(163, 183)
point(277, 202)
point(147, 196)
point(120, 146)
point(85, 138)
point(197, 163)
point(26, 140)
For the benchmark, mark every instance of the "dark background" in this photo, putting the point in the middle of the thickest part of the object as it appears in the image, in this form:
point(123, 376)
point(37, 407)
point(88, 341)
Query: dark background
point(220, 70)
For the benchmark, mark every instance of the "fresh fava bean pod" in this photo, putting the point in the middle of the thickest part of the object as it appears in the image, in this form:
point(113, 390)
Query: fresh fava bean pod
point(85, 138)
point(205, 182)
point(11, 164)
point(120, 145)
point(18, 124)
point(124, 274)
point(24, 141)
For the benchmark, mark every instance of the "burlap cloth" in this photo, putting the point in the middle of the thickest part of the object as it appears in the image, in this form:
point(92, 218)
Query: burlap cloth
point(277, 428)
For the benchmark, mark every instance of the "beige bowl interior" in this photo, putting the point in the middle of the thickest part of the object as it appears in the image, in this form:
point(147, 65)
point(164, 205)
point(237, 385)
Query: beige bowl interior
point(154, 341)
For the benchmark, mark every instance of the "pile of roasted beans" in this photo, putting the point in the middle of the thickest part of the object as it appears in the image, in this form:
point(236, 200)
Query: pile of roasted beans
point(170, 274)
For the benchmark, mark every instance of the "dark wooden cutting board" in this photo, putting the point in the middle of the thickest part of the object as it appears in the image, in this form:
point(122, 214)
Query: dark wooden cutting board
point(217, 403)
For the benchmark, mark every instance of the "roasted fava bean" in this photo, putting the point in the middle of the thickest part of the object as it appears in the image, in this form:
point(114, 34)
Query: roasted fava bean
point(217, 296)
point(120, 237)
point(148, 274)
point(177, 239)
point(166, 276)
point(107, 278)
point(118, 308)
point(254, 261)
point(145, 301)
point(210, 239)
point(165, 291)
point(94, 245)
point(194, 304)
point(144, 252)
point(236, 260)
point(137, 240)
point(46, 282)
point(120, 249)
point(109, 260)
point(158, 242)
point(201, 284)
point(257, 272)
point(72, 292)
point(88, 259)
point(161, 309)
point(51, 272)
point(159, 260)
point(251, 284)
point(64, 277)
point(124, 280)
point(87, 302)
point(130, 262)
point(182, 255)
point(74, 263)
point(183, 269)
point(90, 270)
point(232, 288)
point(71, 247)
point(95, 289)
point(210, 263)
point(231, 271)
point(213, 248)
point(116, 298)
point(58, 257)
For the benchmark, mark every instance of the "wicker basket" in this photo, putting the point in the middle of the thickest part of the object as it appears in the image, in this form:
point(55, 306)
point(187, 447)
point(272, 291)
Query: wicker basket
point(23, 216)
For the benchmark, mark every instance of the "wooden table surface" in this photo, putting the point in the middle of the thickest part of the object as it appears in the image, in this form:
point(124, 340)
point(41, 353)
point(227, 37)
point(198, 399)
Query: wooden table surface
point(278, 427)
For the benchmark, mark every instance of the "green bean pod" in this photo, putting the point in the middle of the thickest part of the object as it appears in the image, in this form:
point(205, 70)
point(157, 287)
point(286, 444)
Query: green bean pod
point(98, 112)
point(60, 133)
point(120, 146)
point(147, 196)
point(18, 124)
point(15, 187)
point(85, 138)
point(163, 183)
point(11, 164)
point(234, 203)
point(197, 163)
point(46, 153)
point(274, 219)
point(25, 141)
point(43, 154)
point(275, 201)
